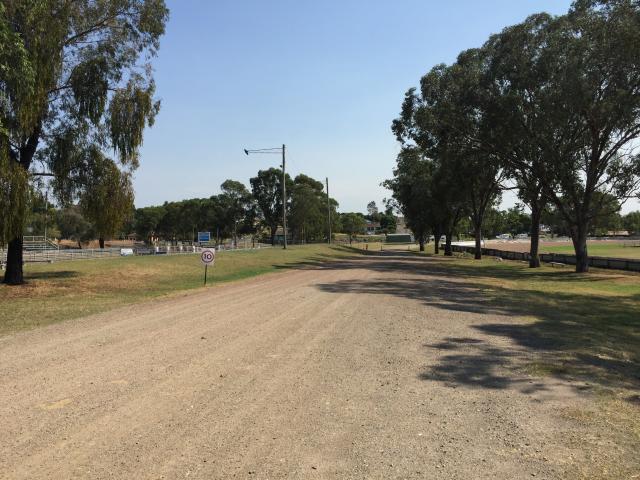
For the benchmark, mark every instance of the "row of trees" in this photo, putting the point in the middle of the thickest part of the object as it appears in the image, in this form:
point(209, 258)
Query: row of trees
point(549, 107)
point(239, 211)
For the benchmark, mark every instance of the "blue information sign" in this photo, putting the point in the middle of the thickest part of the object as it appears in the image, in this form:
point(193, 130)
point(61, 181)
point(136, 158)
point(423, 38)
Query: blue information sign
point(204, 237)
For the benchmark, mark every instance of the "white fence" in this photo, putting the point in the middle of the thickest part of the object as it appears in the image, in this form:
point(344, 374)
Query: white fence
point(67, 254)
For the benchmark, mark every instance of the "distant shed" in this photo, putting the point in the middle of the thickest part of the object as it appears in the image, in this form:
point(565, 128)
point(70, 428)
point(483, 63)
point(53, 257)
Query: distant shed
point(399, 238)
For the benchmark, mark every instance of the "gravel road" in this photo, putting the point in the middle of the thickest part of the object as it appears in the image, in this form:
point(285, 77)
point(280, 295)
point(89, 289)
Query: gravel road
point(364, 368)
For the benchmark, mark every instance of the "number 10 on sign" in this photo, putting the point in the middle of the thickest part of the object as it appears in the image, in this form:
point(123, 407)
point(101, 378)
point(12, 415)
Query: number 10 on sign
point(208, 257)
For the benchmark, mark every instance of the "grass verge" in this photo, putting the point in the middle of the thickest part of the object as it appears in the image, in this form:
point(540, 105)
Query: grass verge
point(68, 290)
point(598, 249)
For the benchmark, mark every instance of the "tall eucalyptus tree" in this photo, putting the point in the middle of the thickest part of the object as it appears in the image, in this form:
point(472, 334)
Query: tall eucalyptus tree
point(569, 91)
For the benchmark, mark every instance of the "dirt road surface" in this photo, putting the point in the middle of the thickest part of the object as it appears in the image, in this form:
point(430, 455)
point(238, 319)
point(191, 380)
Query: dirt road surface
point(361, 369)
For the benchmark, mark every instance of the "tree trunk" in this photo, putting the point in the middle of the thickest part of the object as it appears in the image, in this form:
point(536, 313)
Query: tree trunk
point(79, 245)
point(13, 274)
point(421, 243)
point(478, 235)
point(534, 258)
point(437, 233)
point(448, 252)
point(579, 238)
point(101, 242)
point(273, 235)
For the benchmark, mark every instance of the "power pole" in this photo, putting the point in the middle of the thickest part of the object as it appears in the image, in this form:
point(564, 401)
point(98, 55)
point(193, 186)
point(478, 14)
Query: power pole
point(284, 183)
point(46, 214)
point(328, 211)
point(284, 198)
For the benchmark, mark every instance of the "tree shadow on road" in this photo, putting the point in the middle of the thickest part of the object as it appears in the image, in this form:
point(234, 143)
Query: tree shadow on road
point(576, 337)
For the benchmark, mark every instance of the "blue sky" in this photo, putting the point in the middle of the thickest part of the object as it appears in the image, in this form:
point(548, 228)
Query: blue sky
point(324, 77)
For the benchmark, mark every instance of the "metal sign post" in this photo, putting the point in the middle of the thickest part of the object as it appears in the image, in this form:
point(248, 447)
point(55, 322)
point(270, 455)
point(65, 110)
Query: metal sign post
point(207, 257)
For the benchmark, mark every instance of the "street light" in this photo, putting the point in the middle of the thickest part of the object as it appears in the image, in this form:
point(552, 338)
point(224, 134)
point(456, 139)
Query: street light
point(284, 183)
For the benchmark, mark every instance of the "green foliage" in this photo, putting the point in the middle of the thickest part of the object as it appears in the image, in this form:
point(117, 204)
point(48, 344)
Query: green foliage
point(41, 214)
point(146, 221)
point(181, 220)
point(16, 77)
point(443, 123)
point(308, 216)
point(352, 224)
point(388, 222)
point(577, 104)
point(631, 222)
point(266, 188)
point(411, 190)
point(73, 225)
point(131, 109)
point(76, 80)
point(372, 209)
point(107, 198)
point(552, 103)
point(513, 221)
point(238, 209)
point(14, 188)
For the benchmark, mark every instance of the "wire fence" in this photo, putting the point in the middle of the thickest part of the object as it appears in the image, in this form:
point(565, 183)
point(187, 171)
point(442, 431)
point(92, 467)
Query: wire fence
point(628, 264)
point(69, 254)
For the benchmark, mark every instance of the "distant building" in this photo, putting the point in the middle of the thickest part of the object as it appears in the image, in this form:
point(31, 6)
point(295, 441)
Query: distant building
point(372, 228)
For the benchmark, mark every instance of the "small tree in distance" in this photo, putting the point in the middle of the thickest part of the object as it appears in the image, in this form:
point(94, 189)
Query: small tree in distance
point(352, 224)
point(107, 198)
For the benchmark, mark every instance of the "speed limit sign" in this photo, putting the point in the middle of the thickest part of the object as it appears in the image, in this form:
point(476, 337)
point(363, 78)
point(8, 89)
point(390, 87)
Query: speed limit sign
point(208, 256)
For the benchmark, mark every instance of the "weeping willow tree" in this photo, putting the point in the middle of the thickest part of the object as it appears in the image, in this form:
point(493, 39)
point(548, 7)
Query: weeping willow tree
point(107, 197)
point(75, 80)
point(16, 83)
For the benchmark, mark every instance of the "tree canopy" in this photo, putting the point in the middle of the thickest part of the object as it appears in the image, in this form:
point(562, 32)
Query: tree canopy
point(78, 82)
point(552, 105)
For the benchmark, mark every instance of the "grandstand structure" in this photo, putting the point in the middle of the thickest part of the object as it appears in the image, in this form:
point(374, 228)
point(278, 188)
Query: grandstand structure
point(38, 244)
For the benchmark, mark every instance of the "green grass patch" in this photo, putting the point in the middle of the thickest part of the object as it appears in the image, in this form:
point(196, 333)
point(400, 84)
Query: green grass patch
point(599, 249)
point(73, 289)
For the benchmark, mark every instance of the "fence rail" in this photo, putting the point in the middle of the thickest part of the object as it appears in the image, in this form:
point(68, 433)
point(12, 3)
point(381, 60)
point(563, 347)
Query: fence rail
point(628, 264)
point(67, 254)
